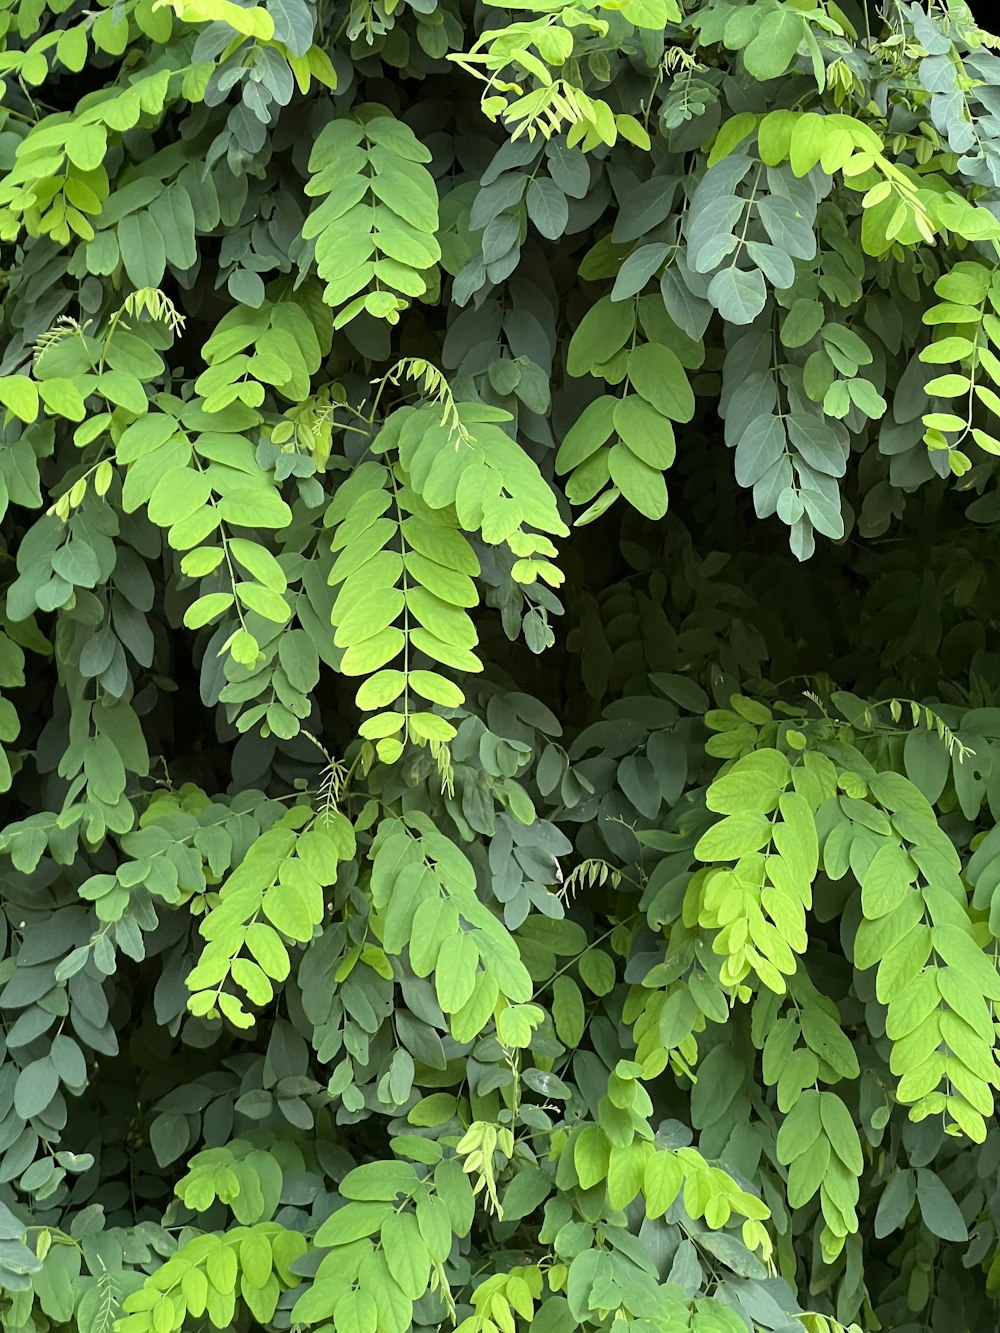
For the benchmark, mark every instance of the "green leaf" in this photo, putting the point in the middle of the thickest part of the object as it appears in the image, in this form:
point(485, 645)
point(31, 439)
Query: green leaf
point(886, 881)
point(142, 249)
point(293, 24)
point(455, 973)
point(120, 387)
point(568, 1011)
point(774, 47)
point(808, 1172)
point(657, 376)
point(356, 1312)
point(406, 1254)
point(547, 207)
point(661, 1182)
point(258, 561)
point(254, 508)
point(644, 431)
point(352, 1222)
point(264, 601)
point(802, 322)
point(318, 1301)
point(625, 1173)
point(604, 330)
point(287, 910)
point(800, 1129)
point(77, 563)
point(20, 394)
point(36, 1085)
point(753, 783)
point(63, 397)
point(642, 486)
point(177, 495)
point(739, 295)
point(97, 1309)
point(379, 1180)
point(591, 429)
point(525, 1193)
point(840, 1130)
point(733, 837)
point(938, 1209)
point(591, 1155)
point(207, 608)
point(895, 1204)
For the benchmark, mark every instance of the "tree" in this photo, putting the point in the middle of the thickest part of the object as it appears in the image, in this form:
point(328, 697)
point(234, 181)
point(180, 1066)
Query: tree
point(445, 881)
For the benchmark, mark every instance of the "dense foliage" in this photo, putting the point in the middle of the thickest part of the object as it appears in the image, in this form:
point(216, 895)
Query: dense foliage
point(443, 883)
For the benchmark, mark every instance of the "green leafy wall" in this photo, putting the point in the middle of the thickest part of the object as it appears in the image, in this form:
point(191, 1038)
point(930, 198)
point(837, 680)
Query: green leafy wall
point(500, 681)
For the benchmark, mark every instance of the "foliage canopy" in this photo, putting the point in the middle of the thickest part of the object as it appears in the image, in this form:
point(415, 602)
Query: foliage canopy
point(445, 882)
